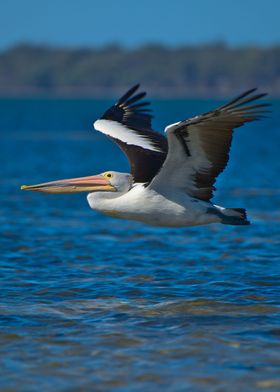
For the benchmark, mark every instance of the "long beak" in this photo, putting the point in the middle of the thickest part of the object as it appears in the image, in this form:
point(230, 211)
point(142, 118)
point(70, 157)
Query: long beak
point(73, 185)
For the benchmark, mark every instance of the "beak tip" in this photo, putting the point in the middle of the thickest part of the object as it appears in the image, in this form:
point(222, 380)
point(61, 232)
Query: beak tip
point(23, 187)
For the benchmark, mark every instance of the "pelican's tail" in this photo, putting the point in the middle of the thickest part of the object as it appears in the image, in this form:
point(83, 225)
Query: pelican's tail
point(235, 216)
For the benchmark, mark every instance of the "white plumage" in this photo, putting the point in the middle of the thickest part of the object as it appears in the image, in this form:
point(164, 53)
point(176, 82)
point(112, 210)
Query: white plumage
point(152, 207)
point(124, 134)
point(172, 180)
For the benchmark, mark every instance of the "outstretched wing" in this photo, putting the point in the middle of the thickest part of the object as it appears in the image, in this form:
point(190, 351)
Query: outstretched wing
point(198, 148)
point(128, 123)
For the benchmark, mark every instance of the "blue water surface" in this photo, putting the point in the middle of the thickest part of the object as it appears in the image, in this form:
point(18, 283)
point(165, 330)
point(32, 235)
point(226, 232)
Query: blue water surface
point(90, 303)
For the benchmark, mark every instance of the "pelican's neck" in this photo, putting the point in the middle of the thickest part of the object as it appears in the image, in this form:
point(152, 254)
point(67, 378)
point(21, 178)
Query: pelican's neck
point(103, 200)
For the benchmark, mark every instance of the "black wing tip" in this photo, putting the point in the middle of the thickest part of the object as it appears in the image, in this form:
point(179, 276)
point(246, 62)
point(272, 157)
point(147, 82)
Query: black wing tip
point(128, 94)
point(243, 99)
point(131, 110)
point(133, 89)
point(249, 92)
point(136, 86)
point(135, 98)
point(132, 102)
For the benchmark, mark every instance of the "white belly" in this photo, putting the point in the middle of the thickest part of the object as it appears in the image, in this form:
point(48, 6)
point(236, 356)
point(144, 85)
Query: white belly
point(153, 208)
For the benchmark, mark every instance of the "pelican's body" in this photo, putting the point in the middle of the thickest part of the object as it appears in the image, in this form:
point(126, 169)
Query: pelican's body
point(154, 208)
point(172, 179)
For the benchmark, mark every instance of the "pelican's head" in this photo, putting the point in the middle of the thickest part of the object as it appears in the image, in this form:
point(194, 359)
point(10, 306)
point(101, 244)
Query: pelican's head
point(109, 181)
point(121, 182)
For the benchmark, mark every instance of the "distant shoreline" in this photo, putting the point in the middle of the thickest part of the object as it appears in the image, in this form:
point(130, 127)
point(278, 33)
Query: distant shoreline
point(102, 96)
point(211, 71)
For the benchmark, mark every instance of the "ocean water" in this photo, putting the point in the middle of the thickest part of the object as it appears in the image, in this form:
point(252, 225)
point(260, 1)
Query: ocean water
point(91, 303)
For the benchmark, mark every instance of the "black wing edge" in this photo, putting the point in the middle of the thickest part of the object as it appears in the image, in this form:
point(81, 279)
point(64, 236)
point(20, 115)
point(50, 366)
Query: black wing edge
point(239, 105)
point(130, 112)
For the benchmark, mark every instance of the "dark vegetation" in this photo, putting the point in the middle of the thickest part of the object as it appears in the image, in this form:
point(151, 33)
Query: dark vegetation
point(214, 70)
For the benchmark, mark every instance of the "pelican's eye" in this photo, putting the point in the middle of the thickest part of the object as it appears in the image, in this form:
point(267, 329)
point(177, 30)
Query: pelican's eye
point(108, 175)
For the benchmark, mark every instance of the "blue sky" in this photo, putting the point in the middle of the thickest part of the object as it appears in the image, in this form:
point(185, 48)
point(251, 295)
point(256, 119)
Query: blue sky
point(133, 23)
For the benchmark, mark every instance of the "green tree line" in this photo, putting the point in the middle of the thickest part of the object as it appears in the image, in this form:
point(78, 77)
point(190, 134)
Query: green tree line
point(212, 70)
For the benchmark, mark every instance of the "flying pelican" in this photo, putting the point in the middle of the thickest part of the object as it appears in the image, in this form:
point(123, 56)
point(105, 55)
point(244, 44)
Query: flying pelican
point(172, 179)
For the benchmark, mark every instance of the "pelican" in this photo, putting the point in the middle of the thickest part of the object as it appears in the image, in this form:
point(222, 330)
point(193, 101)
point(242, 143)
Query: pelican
point(172, 178)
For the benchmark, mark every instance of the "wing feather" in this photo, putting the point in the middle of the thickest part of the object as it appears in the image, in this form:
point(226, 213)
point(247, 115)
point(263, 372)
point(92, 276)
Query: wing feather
point(198, 148)
point(128, 124)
